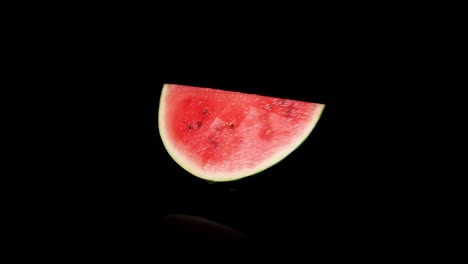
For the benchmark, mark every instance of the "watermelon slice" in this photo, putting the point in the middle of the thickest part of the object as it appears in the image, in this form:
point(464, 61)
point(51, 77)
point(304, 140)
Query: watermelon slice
point(222, 135)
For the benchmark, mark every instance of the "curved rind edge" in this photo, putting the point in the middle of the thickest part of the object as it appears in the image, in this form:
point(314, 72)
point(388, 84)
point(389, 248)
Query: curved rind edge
point(192, 168)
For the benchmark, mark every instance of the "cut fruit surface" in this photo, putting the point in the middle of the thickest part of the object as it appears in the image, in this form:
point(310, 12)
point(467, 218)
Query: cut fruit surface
point(220, 135)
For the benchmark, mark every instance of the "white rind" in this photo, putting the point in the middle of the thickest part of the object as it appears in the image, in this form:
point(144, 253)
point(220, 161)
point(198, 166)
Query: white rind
point(185, 162)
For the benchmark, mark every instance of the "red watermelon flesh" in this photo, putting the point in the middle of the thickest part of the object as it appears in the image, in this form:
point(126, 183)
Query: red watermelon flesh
point(221, 135)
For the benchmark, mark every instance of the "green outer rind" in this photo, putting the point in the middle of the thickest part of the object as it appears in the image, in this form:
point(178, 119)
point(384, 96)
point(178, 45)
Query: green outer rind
point(182, 159)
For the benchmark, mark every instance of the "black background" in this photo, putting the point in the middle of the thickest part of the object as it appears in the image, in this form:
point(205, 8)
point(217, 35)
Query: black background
point(353, 178)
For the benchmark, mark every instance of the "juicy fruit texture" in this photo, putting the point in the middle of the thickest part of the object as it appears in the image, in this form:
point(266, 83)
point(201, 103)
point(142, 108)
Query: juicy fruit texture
point(222, 135)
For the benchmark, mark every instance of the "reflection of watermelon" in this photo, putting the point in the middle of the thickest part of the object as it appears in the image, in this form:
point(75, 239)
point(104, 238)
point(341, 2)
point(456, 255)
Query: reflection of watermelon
point(222, 135)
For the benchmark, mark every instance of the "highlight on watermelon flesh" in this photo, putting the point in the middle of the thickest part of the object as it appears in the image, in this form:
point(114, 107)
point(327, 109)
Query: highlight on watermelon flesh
point(221, 136)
